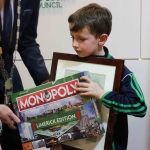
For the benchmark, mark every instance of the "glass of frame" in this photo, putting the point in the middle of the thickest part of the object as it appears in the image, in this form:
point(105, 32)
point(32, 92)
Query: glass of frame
point(107, 73)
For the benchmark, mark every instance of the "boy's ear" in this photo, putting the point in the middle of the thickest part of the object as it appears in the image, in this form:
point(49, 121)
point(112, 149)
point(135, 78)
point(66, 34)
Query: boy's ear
point(102, 39)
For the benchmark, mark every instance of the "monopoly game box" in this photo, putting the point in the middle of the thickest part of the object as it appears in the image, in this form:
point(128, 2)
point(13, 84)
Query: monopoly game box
point(54, 113)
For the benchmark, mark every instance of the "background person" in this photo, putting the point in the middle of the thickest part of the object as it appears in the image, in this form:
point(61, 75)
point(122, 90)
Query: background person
point(30, 54)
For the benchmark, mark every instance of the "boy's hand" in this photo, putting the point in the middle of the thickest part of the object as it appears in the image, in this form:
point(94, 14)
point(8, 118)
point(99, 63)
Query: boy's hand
point(89, 88)
point(56, 147)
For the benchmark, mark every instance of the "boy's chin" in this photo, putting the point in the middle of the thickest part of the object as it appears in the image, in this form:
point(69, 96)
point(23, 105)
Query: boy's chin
point(82, 55)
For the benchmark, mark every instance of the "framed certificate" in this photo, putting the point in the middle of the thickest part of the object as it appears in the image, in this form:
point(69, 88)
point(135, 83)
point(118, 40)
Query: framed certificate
point(107, 73)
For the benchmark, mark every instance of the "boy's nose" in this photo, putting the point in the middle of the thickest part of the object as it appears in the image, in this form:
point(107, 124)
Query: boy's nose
point(74, 44)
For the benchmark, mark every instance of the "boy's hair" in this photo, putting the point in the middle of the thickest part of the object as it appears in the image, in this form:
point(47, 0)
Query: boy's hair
point(98, 19)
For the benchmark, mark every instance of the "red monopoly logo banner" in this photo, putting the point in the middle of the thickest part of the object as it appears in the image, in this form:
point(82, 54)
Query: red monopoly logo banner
point(47, 95)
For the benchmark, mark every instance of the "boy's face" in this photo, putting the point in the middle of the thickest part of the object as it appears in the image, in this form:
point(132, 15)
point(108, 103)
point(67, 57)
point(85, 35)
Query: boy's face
point(84, 43)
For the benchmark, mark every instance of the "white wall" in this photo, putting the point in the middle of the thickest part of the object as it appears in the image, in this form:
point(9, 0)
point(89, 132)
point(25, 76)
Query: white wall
point(130, 40)
point(139, 134)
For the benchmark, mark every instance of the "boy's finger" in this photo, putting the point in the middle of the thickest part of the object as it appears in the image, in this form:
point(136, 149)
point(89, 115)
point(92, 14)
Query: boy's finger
point(87, 79)
point(81, 89)
point(81, 84)
point(83, 94)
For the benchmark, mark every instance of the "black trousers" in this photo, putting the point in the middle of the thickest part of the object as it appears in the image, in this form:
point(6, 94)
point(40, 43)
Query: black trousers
point(10, 139)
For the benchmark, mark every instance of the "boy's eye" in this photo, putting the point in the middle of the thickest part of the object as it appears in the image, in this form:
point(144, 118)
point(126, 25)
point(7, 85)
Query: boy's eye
point(82, 39)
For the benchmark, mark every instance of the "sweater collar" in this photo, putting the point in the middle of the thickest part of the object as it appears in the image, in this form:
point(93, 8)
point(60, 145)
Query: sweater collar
point(106, 53)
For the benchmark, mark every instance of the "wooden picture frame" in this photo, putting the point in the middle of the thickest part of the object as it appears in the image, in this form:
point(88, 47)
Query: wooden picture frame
point(112, 68)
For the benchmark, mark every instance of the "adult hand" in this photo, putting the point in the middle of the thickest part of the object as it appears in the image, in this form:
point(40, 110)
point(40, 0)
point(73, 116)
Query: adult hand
point(56, 147)
point(8, 117)
point(46, 81)
point(89, 88)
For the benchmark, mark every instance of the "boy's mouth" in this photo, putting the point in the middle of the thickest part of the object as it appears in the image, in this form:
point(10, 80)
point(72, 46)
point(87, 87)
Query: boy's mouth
point(78, 51)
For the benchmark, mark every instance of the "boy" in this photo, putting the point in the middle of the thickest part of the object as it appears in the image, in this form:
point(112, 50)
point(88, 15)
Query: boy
point(90, 27)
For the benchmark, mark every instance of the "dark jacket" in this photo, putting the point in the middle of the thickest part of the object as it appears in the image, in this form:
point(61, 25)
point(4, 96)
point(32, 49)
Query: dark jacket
point(27, 47)
point(128, 101)
point(32, 58)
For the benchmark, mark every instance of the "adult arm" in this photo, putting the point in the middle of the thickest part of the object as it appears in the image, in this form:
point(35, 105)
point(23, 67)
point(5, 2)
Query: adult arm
point(29, 49)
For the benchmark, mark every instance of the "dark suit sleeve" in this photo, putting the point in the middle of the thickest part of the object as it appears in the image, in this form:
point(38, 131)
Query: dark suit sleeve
point(29, 49)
